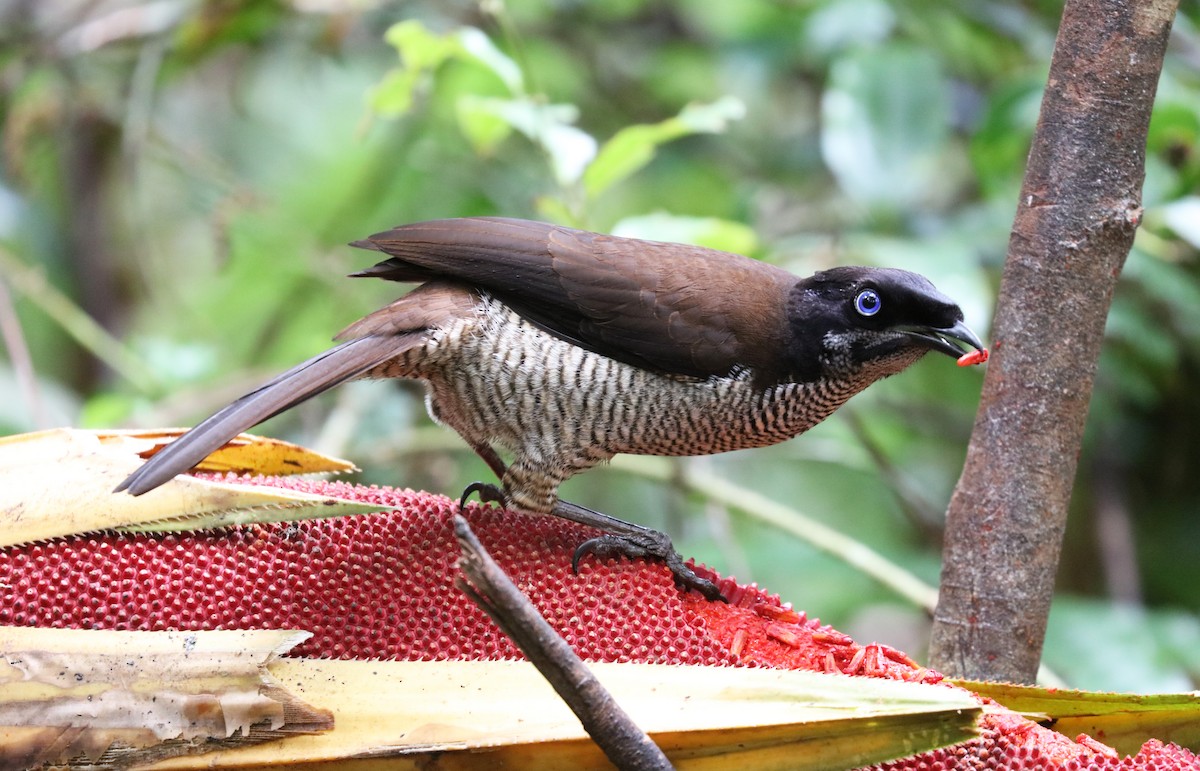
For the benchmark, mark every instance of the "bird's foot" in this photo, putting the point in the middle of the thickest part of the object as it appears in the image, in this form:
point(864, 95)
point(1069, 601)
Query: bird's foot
point(622, 539)
point(488, 493)
point(649, 544)
point(633, 541)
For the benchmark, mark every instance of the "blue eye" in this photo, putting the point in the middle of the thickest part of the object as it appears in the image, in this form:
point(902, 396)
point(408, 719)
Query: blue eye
point(867, 303)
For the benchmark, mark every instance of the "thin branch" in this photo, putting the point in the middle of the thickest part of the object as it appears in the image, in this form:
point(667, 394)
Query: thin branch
point(77, 323)
point(759, 507)
point(18, 353)
point(921, 513)
point(626, 745)
point(132, 23)
point(1115, 535)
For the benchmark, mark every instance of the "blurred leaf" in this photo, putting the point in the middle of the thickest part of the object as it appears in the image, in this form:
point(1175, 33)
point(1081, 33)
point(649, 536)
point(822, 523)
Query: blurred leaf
point(421, 52)
point(475, 43)
point(1142, 350)
point(1001, 141)
point(394, 93)
point(885, 120)
point(1173, 123)
point(1183, 216)
point(633, 147)
point(554, 209)
point(110, 408)
point(547, 125)
point(842, 24)
point(745, 20)
point(1148, 337)
point(702, 231)
point(1113, 648)
point(214, 25)
point(480, 124)
point(714, 117)
point(977, 46)
point(1170, 284)
point(179, 361)
point(418, 46)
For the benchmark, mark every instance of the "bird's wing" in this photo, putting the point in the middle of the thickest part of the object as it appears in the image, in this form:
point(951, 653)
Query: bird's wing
point(672, 308)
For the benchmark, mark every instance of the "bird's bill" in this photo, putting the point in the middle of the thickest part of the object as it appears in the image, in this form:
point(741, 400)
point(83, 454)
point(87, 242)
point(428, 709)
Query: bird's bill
point(942, 340)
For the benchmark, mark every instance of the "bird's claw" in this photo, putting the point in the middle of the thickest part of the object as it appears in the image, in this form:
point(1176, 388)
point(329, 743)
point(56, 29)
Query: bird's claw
point(488, 493)
point(648, 544)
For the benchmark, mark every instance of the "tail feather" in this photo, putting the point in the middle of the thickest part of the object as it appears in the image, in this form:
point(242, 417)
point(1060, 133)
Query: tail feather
point(298, 384)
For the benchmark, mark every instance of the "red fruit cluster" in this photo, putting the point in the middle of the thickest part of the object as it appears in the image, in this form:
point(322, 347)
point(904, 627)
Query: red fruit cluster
point(381, 586)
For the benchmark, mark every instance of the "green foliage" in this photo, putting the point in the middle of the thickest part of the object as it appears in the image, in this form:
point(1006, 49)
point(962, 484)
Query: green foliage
point(886, 121)
point(581, 167)
point(631, 148)
point(1133, 651)
point(188, 180)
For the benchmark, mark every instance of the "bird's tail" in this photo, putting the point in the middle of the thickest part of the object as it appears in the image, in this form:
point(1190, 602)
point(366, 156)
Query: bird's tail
point(302, 382)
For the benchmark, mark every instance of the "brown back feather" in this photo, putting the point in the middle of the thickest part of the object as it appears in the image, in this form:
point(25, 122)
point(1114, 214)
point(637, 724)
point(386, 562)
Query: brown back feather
point(679, 309)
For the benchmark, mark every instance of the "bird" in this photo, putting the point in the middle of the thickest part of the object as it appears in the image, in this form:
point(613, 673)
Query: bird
point(562, 348)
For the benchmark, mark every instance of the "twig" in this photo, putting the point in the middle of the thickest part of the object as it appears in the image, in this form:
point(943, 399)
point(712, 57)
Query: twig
point(18, 353)
point(626, 745)
point(139, 21)
point(759, 507)
point(919, 511)
point(76, 323)
point(1115, 535)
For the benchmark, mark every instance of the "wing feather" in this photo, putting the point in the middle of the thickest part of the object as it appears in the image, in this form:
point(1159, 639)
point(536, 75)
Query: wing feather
point(679, 309)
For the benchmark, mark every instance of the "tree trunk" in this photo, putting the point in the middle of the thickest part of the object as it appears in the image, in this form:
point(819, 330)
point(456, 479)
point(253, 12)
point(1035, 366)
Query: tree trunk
point(1080, 205)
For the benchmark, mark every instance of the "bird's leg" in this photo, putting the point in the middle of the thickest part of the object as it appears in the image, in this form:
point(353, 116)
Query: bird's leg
point(490, 457)
point(488, 493)
point(621, 538)
point(627, 539)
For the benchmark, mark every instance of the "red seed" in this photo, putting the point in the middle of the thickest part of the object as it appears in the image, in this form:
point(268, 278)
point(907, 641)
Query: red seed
point(856, 662)
point(777, 613)
point(783, 634)
point(973, 357)
point(832, 637)
point(897, 656)
point(739, 642)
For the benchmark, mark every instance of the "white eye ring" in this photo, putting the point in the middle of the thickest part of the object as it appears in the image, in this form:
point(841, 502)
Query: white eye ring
point(868, 302)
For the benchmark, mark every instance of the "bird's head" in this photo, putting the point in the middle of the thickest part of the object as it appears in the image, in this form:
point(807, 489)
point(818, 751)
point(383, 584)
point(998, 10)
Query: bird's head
point(870, 323)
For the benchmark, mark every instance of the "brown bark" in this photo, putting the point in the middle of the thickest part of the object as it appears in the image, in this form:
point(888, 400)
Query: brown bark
point(1079, 207)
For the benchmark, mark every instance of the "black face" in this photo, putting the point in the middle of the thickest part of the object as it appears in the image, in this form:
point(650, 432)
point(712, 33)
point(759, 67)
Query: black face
point(850, 319)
